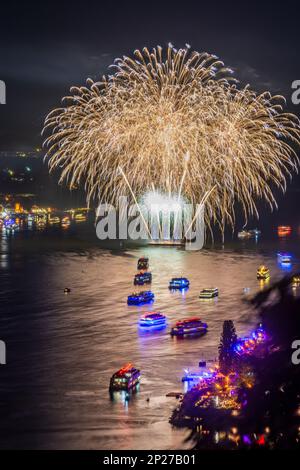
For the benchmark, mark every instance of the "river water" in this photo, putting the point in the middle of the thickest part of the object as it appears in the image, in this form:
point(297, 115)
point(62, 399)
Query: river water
point(62, 349)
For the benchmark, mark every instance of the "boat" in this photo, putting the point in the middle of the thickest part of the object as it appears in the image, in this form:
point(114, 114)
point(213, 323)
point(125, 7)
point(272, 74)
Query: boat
point(53, 220)
point(65, 221)
point(189, 326)
point(253, 233)
point(263, 272)
point(284, 230)
point(209, 293)
point(140, 298)
point(179, 283)
point(142, 278)
point(152, 319)
point(11, 225)
point(195, 376)
point(125, 379)
point(143, 264)
point(80, 217)
point(284, 258)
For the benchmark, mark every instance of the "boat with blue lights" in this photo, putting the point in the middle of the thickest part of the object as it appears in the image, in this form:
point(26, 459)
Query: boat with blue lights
point(195, 376)
point(11, 225)
point(179, 283)
point(140, 298)
point(284, 258)
point(152, 319)
point(143, 264)
point(189, 326)
point(263, 273)
point(210, 293)
point(126, 378)
point(142, 278)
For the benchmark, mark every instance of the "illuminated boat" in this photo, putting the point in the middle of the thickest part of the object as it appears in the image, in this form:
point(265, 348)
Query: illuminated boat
point(152, 319)
point(179, 283)
point(80, 217)
point(53, 220)
point(143, 263)
point(284, 230)
point(244, 234)
point(296, 280)
point(253, 233)
point(189, 326)
point(284, 258)
point(65, 221)
point(209, 293)
point(11, 225)
point(140, 298)
point(196, 376)
point(263, 273)
point(125, 379)
point(142, 278)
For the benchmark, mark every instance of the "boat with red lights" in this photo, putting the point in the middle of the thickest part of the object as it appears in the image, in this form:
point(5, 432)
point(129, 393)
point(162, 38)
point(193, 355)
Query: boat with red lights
point(126, 378)
point(152, 319)
point(284, 230)
point(189, 326)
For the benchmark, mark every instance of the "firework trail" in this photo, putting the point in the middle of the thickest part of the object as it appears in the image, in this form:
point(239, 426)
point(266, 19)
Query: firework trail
point(176, 121)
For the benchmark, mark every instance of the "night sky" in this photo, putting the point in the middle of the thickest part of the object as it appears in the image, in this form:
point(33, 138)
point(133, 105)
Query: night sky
point(46, 48)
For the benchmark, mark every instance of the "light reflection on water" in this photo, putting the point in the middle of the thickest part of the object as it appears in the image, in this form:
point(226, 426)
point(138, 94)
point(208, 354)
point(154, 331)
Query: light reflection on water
point(62, 349)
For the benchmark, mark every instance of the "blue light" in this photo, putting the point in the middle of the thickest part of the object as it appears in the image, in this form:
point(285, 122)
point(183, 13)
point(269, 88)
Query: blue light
point(179, 283)
point(140, 298)
point(285, 260)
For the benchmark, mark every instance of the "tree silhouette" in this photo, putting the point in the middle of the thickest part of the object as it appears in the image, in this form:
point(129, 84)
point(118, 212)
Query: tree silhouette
point(226, 351)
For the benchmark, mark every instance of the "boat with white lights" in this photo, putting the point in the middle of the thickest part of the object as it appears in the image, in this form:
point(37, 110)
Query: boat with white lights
point(296, 280)
point(152, 319)
point(142, 278)
point(126, 378)
point(143, 264)
point(179, 283)
point(189, 326)
point(210, 293)
point(195, 376)
point(263, 273)
point(253, 233)
point(140, 298)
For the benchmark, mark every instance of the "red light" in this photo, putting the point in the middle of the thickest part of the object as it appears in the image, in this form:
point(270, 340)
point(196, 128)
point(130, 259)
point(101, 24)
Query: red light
point(187, 320)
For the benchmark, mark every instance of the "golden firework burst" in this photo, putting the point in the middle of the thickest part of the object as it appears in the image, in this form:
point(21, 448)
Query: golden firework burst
point(175, 121)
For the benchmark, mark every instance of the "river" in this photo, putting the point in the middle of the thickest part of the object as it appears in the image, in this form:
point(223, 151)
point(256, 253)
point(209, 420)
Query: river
point(62, 349)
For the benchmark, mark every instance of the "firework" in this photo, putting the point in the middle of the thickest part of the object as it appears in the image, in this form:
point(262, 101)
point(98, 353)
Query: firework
point(175, 121)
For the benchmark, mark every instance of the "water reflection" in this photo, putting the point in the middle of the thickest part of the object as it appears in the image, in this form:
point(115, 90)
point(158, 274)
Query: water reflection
point(64, 348)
